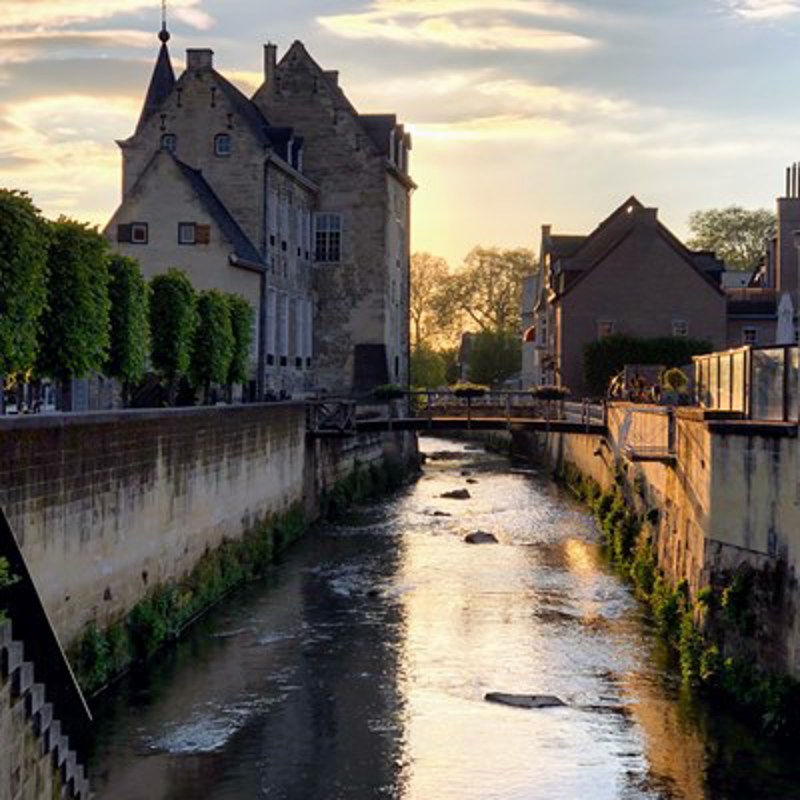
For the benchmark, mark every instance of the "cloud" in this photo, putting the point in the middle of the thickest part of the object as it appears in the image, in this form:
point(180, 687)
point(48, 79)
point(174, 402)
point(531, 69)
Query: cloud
point(472, 24)
point(764, 9)
point(60, 14)
point(29, 45)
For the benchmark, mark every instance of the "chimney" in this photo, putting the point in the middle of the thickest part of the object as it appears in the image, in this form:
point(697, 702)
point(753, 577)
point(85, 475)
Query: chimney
point(197, 60)
point(786, 255)
point(270, 63)
point(546, 231)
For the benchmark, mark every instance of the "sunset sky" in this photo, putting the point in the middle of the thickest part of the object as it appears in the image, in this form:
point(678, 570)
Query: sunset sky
point(523, 111)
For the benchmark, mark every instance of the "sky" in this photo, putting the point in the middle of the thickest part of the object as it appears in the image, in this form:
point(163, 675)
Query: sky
point(523, 112)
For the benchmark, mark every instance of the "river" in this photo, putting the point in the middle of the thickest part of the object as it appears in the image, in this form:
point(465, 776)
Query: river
point(357, 669)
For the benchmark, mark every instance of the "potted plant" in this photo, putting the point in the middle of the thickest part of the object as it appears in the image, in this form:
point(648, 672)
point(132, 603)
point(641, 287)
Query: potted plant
point(468, 391)
point(675, 386)
point(387, 392)
point(550, 392)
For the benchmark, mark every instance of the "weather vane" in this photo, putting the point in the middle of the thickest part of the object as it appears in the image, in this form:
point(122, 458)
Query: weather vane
point(164, 35)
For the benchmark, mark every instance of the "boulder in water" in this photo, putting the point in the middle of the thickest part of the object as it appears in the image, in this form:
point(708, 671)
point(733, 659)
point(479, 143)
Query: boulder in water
point(441, 514)
point(457, 494)
point(480, 537)
point(472, 480)
point(525, 700)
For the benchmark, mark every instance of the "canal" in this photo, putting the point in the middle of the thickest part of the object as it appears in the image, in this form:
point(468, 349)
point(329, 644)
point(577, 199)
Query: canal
point(357, 669)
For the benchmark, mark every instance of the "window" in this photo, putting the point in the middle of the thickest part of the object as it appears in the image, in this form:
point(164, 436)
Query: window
point(605, 327)
point(222, 145)
point(169, 142)
point(187, 233)
point(750, 336)
point(139, 233)
point(328, 238)
point(680, 327)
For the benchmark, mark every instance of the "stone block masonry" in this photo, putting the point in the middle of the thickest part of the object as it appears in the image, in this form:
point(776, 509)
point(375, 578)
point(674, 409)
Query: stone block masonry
point(108, 507)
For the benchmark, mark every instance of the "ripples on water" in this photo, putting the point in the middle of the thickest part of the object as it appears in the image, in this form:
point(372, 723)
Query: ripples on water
point(357, 669)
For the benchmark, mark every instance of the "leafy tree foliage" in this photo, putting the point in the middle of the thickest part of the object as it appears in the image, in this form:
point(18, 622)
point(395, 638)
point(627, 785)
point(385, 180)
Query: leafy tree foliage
point(429, 276)
point(607, 356)
point(428, 368)
point(130, 321)
point(23, 273)
point(735, 234)
point(173, 318)
point(494, 356)
point(75, 332)
point(213, 343)
point(241, 316)
point(488, 287)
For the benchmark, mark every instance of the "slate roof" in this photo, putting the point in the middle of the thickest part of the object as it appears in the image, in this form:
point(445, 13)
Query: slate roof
point(564, 246)
point(245, 108)
point(161, 85)
point(379, 128)
point(242, 245)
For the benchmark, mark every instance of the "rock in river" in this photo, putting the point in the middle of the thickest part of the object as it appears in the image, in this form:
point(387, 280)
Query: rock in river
point(480, 537)
point(457, 494)
point(525, 700)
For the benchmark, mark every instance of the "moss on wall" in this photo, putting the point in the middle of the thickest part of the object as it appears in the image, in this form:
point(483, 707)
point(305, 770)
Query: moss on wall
point(712, 634)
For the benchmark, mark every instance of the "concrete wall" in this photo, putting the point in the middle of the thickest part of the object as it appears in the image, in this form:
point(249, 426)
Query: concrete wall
point(108, 506)
point(729, 501)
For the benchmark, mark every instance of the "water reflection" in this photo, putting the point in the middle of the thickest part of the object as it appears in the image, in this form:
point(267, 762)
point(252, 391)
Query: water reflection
point(358, 668)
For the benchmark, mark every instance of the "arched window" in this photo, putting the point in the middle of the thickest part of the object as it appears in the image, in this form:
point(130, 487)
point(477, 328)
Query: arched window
point(222, 145)
point(169, 142)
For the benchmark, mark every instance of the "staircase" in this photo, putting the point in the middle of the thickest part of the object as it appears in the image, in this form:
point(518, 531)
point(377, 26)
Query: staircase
point(30, 699)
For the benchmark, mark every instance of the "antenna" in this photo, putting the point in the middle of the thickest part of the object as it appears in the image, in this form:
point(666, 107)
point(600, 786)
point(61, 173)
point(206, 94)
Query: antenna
point(164, 35)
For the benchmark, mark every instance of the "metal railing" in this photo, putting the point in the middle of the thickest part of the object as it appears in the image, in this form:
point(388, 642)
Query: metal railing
point(757, 383)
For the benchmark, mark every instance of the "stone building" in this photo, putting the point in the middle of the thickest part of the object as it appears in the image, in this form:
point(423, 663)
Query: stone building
point(629, 276)
point(362, 235)
point(269, 198)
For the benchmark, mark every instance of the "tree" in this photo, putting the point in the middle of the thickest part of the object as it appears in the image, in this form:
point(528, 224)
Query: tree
point(75, 332)
point(130, 322)
point(213, 345)
point(429, 276)
point(173, 318)
point(488, 287)
point(241, 316)
point(494, 357)
point(735, 234)
point(23, 274)
point(428, 368)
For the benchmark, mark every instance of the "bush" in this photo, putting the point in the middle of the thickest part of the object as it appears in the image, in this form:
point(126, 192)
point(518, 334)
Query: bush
point(607, 356)
point(494, 357)
point(550, 392)
point(468, 390)
point(428, 368)
point(173, 318)
point(213, 342)
point(241, 316)
point(675, 380)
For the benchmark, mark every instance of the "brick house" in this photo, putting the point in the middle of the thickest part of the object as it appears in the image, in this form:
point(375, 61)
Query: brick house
point(239, 193)
point(632, 276)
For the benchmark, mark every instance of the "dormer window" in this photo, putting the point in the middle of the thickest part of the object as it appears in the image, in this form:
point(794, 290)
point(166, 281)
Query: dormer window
point(169, 142)
point(222, 145)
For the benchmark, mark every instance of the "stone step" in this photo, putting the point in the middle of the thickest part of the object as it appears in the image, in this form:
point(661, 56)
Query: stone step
point(42, 718)
point(34, 699)
point(60, 749)
point(22, 679)
point(11, 658)
point(5, 633)
point(52, 736)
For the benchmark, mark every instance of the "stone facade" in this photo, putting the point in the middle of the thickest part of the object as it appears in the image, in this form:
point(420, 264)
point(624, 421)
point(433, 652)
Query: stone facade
point(360, 164)
point(630, 276)
point(294, 200)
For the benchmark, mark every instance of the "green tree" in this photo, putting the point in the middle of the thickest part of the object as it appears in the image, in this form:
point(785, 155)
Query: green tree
point(488, 287)
point(75, 332)
point(173, 318)
point(130, 322)
point(737, 235)
point(494, 357)
point(213, 345)
point(428, 368)
point(23, 276)
point(241, 315)
point(429, 276)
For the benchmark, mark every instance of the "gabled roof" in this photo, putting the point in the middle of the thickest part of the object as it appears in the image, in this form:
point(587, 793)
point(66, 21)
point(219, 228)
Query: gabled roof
point(564, 246)
point(613, 231)
point(242, 246)
point(161, 85)
point(245, 108)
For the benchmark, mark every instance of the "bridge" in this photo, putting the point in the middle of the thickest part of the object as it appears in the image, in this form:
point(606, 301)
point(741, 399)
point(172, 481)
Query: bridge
point(443, 411)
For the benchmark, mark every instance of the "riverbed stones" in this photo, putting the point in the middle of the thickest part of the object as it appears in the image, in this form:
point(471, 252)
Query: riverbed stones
point(528, 701)
point(472, 480)
point(480, 537)
point(441, 514)
point(457, 494)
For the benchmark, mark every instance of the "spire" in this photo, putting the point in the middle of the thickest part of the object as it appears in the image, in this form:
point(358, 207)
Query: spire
point(163, 80)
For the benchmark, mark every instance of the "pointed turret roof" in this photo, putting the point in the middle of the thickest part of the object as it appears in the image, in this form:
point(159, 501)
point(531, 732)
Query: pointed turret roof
point(161, 84)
